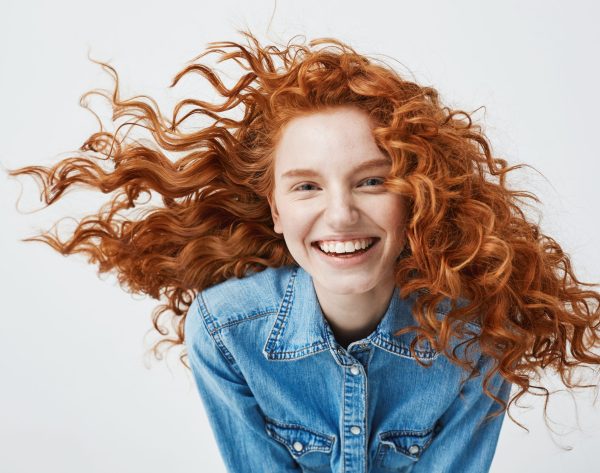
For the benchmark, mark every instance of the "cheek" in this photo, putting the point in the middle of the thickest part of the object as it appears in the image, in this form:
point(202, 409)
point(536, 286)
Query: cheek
point(295, 221)
point(391, 215)
point(389, 207)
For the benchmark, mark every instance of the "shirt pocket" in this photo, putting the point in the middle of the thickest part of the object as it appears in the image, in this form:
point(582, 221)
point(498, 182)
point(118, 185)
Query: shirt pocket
point(398, 450)
point(310, 448)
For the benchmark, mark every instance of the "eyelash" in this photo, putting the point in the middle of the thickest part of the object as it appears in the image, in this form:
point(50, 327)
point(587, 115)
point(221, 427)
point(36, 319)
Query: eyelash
point(297, 188)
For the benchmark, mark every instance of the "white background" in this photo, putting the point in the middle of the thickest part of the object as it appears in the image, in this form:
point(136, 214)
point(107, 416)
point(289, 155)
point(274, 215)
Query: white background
point(76, 392)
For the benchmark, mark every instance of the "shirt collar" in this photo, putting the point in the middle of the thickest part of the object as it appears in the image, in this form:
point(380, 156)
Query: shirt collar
point(301, 330)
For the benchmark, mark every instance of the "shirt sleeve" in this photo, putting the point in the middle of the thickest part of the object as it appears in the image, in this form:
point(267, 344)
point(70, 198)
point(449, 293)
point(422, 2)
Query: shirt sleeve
point(232, 410)
point(465, 442)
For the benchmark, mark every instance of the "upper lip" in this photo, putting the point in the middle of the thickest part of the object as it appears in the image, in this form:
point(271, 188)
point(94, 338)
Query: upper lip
point(345, 238)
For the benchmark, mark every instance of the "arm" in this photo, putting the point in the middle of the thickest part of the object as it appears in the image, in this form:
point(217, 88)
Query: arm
point(234, 415)
point(465, 443)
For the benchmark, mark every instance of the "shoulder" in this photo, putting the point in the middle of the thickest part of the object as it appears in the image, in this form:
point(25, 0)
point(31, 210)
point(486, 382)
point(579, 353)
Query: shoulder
point(446, 305)
point(238, 299)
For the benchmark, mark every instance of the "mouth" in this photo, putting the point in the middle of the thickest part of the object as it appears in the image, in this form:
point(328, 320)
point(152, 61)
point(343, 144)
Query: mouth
point(347, 255)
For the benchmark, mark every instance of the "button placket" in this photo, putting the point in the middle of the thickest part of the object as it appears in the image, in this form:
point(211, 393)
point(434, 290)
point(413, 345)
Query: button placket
point(355, 416)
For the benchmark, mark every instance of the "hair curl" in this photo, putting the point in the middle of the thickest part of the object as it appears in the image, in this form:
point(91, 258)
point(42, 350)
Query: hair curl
point(467, 234)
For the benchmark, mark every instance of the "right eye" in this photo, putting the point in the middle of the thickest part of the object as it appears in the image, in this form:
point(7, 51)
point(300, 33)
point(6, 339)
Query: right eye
point(303, 187)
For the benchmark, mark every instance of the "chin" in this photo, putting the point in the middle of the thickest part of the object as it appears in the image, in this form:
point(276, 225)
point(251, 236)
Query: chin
point(347, 286)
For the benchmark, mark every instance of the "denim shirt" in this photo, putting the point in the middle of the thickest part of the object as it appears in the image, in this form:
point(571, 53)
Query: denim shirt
point(282, 395)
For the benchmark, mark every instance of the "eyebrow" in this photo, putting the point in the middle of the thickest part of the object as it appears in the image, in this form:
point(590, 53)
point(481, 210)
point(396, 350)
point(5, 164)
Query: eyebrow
point(372, 163)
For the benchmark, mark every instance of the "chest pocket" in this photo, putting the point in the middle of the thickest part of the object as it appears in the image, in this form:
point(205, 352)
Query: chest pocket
point(311, 449)
point(399, 449)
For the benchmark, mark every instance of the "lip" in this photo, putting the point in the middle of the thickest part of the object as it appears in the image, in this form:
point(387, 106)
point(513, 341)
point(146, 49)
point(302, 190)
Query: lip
point(345, 238)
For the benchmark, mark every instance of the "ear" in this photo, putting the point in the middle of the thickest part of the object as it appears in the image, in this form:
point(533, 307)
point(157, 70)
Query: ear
point(275, 216)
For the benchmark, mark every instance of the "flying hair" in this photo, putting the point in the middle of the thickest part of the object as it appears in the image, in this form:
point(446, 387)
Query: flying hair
point(468, 236)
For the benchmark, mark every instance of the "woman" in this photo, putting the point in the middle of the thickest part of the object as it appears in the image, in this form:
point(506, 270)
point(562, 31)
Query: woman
point(356, 286)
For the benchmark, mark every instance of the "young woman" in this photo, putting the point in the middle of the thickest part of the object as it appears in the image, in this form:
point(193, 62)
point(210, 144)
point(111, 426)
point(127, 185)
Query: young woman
point(356, 285)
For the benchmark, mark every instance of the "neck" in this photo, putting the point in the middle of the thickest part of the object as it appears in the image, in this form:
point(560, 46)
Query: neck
point(354, 316)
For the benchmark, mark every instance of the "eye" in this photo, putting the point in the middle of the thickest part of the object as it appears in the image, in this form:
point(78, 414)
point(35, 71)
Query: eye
point(373, 181)
point(305, 187)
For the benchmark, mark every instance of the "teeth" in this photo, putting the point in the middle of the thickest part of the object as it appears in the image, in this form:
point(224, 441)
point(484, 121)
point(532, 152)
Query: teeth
point(345, 246)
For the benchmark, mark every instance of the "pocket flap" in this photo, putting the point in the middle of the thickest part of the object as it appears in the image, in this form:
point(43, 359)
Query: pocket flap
point(408, 442)
point(299, 439)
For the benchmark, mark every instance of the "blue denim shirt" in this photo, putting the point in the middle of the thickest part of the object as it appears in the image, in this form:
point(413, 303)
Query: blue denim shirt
point(282, 395)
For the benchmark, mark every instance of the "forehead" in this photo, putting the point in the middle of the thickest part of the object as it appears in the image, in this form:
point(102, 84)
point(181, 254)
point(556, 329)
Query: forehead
point(341, 135)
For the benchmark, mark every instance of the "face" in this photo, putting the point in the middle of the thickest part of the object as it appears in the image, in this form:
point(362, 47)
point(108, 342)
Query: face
point(338, 221)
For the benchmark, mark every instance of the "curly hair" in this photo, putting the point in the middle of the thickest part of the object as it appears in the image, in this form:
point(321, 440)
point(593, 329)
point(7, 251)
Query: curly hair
point(468, 237)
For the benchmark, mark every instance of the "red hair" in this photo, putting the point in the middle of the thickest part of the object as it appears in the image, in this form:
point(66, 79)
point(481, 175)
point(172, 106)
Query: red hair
point(467, 233)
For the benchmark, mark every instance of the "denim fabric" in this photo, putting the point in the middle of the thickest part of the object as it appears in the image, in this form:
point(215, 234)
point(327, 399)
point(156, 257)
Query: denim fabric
point(282, 395)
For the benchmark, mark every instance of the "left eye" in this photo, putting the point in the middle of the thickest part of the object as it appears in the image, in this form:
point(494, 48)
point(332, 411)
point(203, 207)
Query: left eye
point(373, 181)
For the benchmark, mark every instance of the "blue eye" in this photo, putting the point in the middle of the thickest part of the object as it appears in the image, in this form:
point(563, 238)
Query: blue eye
point(302, 187)
point(378, 181)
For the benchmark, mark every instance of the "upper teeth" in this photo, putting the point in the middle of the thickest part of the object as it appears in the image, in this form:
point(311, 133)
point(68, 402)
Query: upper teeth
point(345, 246)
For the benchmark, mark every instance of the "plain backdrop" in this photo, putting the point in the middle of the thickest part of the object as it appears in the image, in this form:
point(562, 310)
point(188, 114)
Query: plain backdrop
point(77, 392)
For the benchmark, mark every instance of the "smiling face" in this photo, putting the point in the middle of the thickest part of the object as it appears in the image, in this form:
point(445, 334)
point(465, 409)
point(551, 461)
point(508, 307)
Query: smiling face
point(329, 198)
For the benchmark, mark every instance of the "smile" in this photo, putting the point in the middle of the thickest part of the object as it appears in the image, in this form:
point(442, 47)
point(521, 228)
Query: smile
point(345, 250)
point(348, 246)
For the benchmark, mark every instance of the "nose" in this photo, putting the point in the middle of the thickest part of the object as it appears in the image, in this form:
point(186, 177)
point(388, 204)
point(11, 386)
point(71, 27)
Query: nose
point(341, 211)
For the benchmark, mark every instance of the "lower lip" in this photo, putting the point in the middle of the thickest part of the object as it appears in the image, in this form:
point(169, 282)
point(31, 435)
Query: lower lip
point(347, 259)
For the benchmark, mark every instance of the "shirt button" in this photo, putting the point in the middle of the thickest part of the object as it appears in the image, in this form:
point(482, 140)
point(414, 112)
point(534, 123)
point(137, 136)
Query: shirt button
point(355, 429)
point(354, 369)
point(414, 449)
point(298, 446)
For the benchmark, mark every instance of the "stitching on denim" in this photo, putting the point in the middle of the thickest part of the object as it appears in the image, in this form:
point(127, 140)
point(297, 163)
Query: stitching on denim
point(251, 316)
point(271, 426)
point(214, 334)
point(280, 320)
point(403, 350)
